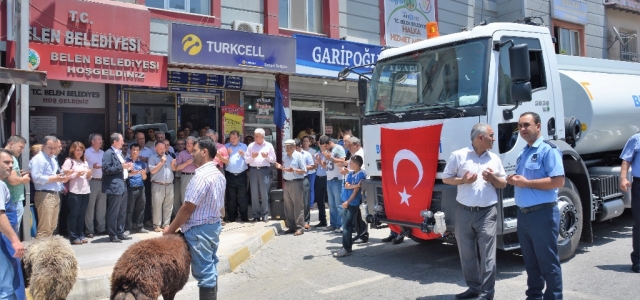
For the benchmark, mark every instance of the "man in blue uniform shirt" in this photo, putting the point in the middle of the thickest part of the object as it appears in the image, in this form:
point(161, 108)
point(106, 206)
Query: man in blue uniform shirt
point(630, 158)
point(539, 174)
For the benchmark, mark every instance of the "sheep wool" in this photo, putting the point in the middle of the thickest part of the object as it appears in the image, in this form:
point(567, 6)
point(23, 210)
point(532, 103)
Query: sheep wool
point(150, 268)
point(50, 268)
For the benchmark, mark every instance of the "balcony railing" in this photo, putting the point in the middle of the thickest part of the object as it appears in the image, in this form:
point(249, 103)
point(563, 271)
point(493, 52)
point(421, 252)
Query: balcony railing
point(632, 6)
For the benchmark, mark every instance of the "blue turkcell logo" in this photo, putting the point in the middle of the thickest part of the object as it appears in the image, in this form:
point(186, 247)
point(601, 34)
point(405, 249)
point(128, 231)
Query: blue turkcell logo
point(636, 100)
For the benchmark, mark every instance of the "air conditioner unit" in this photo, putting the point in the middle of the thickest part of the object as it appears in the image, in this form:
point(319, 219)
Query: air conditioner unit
point(247, 26)
point(354, 39)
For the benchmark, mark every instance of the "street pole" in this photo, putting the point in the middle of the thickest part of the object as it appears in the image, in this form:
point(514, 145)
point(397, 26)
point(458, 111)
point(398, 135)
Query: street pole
point(22, 117)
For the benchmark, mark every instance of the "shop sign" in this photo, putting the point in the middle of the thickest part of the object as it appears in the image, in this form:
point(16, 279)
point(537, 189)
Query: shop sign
point(113, 26)
point(43, 126)
point(406, 20)
point(68, 94)
point(208, 80)
point(214, 47)
point(233, 119)
point(574, 11)
point(326, 57)
point(90, 65)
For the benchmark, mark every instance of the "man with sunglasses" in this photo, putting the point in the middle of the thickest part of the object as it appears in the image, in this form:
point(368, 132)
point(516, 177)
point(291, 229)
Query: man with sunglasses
point(539, 174)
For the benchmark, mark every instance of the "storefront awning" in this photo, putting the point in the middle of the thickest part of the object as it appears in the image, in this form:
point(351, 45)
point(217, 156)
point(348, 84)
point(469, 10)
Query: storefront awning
point(16, 76)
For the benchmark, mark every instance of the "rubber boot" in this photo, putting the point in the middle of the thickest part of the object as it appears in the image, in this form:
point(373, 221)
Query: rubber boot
point(209, 293)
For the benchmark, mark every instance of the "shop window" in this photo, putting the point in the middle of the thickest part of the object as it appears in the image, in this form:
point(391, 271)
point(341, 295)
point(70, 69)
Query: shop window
point(568, 41)
point(340, 116)
point(304, 15)
point(628, 46)
point(154, 110)
point(200, 7)
point(258, 113)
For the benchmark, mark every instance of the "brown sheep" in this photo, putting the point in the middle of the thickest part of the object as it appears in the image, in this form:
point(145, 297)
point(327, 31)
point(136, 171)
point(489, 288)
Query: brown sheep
point(50, 268)
point(150, 268)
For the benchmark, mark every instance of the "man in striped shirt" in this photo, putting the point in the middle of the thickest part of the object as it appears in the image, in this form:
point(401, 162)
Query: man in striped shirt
point(199, 217)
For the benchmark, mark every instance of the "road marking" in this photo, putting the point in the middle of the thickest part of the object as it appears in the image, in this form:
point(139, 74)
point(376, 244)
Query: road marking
point(352, 284)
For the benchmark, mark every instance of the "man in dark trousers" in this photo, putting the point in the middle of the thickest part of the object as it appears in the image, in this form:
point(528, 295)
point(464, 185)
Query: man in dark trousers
point(114, 173)
point(631, 160)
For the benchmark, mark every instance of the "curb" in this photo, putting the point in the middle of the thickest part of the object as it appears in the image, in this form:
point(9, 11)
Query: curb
point(99, 287)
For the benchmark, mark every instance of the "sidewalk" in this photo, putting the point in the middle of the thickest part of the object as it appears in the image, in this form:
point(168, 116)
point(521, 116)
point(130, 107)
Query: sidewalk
point(238, 241)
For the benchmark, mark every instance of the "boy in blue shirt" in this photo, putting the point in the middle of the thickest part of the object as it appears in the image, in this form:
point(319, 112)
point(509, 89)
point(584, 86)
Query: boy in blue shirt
point(351, 199)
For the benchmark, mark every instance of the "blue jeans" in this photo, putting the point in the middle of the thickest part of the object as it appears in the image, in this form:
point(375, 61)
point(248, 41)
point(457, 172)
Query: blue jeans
point(203, 241)
point(75, 220)
point(334, 189)
point(538, 236)
point(347, 227)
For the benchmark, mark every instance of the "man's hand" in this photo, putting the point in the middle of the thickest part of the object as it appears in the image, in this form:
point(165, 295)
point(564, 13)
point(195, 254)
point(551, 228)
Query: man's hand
point(264, 154)
point(327, 154)
point(239, 152)
point(346, 184)
point(166, 231)
point(488, 175)
point(344, 171)
point(229, 150)
point(517, 180)
point(26, 178)
point(163, 158)
point(190, 161)
point(19, 248)
point(625, 185)
point(345, 205)
point(289, 169)
point(254, 154)
point(219, 155)
point(95, 166)
point(278, 166)
point(469, 178)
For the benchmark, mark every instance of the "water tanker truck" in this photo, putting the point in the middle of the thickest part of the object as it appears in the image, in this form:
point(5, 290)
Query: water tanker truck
point(421, 101)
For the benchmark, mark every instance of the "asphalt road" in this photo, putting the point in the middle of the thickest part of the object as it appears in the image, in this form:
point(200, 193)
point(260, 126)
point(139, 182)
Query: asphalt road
point(302, 268)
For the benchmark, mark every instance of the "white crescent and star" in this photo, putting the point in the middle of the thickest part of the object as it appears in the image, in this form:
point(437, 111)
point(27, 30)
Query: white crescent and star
point(412, 157)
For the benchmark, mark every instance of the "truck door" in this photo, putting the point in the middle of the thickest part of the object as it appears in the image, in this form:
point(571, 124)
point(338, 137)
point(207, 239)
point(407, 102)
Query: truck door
point(508, 141)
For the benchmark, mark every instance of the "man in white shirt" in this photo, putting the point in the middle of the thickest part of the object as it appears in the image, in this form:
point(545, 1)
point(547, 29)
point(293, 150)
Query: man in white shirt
point(259, 156)
point(478, 173)
point(97, 207)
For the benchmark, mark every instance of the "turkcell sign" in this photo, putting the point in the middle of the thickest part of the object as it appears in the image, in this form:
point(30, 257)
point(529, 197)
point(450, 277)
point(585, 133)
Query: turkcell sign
point(319, 56)
point(214, 47)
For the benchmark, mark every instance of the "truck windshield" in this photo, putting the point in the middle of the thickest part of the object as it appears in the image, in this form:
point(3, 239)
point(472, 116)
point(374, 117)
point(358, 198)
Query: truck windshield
point(448, 76)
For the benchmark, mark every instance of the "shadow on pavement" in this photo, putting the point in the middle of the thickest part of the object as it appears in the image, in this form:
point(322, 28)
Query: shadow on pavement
point(617, 268)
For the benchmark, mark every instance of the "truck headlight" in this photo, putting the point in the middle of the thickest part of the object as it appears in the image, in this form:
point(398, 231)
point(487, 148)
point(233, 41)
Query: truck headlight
point(426, 214)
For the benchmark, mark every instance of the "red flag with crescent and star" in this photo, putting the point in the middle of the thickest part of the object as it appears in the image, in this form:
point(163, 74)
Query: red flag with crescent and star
point(409, 160)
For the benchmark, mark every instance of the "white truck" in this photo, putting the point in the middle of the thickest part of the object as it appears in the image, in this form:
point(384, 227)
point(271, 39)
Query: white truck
point(491, 74)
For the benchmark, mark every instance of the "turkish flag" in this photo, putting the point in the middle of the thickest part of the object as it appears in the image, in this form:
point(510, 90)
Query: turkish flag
point(409, 166)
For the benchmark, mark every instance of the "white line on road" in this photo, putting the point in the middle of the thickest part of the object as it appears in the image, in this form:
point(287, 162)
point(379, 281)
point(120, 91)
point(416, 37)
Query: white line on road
point(352, 284)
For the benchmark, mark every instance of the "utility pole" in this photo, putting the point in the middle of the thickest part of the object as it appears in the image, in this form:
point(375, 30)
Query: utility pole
point(22, 101)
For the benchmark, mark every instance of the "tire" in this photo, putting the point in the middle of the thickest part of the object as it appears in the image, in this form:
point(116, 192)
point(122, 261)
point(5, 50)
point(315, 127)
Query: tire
point(570, 208)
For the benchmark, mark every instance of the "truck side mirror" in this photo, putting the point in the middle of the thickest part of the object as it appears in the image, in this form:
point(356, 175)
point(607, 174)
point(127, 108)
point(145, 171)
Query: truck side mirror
point(521, 91)
point(363, 85)
point(519, 63)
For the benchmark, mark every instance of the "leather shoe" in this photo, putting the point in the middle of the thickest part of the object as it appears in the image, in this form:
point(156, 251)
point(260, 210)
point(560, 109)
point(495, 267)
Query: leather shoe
point(468, 294)
point(125, 237)
point(289, 231)
point(388, 239)
point(636, 268)
point(115, 240)
point(398, 240)
point(321, 224)
point(142, 230)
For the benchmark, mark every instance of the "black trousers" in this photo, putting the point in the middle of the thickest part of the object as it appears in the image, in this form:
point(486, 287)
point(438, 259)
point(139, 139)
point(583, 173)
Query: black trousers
point(237, 196)
point(136, 201)
point(635, 212)
point(116, 214)
point(147, 199)
point(321, 197)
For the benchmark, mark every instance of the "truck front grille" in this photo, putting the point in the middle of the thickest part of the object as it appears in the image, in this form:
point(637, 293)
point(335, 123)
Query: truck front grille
point(604, 186)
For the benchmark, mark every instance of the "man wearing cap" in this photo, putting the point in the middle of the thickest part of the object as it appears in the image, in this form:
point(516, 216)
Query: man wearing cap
point(293, 171)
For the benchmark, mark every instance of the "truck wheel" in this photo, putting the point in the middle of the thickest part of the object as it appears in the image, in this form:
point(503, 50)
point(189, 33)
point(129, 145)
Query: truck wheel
point(570, 209)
